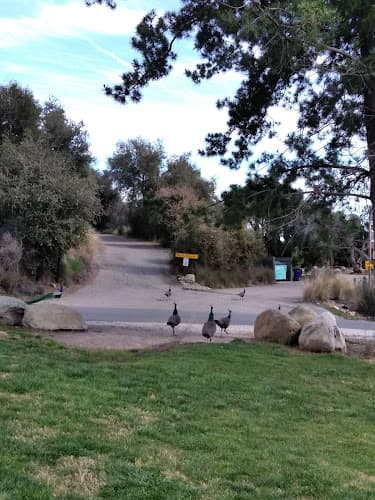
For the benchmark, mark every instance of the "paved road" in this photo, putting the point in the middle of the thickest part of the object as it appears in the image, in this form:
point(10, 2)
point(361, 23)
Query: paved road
point(134, 275)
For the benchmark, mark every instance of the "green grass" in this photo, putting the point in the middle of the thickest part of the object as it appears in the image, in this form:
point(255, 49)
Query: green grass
point(235, 421)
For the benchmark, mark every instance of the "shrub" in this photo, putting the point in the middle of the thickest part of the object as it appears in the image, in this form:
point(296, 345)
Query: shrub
point(9, 281)
point(225, 257)
point(261, 275)
point(329, 286)
point(79, 263)
point(366, 297)
point(10, 253)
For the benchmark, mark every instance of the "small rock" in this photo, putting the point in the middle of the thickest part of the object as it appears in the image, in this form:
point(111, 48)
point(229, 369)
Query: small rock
point(189, 278)
point(3, 335)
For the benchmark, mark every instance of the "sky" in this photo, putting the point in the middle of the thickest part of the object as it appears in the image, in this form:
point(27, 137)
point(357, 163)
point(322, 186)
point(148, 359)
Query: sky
point(63, 49)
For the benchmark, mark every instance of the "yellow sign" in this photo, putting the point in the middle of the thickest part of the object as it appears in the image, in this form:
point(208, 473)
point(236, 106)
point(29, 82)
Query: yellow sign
point(369, 265)
point(187, 255)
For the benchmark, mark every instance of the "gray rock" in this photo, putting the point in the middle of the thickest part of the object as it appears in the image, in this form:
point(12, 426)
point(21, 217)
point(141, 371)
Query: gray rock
point(189, 278)
point(275, 326)
point(52, 316)
point(11, 310)
point(303, 314)
point(3, 335)
point(322, 335)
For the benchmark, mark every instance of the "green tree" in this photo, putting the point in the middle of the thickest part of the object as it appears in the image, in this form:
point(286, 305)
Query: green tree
point(326, 237)
point(113, 214)
point(43, 203)
point(135, 168)
point(269, 204)
point(181, 172)
point(315, 56)
point(66, 137)
point(19, 112)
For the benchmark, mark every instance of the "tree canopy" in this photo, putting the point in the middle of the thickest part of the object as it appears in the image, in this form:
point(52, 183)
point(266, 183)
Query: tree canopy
point(314, 56)
point(48, 191)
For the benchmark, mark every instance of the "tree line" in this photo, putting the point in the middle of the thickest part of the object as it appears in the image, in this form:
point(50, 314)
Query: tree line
point(50, 195)
point(48, 188)
point(315, 57)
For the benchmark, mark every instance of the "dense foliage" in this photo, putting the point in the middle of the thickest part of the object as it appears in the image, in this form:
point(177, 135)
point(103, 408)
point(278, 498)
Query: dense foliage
point(48, 192)
point(167, 199)
point(293, 225)
point(314, 56)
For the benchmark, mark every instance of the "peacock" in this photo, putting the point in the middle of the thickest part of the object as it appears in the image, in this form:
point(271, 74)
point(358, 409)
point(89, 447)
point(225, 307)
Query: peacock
point(224, 322)
point(174, 319)
point(58, 294)
point(209, 328)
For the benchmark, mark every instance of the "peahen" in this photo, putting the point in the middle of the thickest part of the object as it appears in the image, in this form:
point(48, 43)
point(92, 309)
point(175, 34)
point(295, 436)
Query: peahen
point(209, 328)
point(242, 294)
point(174, 319)
point(168, 293)
point(224, 322)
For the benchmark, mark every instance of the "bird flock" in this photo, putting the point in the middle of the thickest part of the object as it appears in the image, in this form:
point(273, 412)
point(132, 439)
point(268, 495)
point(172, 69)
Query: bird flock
point(210, 326)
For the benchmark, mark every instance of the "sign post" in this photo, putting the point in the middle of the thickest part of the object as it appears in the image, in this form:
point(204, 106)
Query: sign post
point(185, 259)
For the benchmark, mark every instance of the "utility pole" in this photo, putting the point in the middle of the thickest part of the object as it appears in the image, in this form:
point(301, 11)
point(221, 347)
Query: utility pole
point(370, 233)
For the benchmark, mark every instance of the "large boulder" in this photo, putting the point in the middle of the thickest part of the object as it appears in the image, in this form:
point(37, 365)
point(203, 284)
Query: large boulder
point(275, 326)
point(11, 310)
point(303, 314)
point(52, 316)
point(322, 335)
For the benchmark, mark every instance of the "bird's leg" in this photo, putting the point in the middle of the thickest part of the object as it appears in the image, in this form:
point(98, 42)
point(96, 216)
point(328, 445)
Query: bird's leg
point(173, 330)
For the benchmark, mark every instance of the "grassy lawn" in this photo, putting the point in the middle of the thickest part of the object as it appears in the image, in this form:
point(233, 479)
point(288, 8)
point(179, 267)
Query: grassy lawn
point(235, 421)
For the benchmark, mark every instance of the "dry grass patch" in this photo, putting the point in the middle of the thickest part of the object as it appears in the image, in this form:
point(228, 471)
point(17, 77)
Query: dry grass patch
point(176, 474)
point(143, 416)
point(161, 455)
point(4, 375)
point(330, 286)
point(362, 480)
point(114, 428)
point(77, 475)
point(31, 431)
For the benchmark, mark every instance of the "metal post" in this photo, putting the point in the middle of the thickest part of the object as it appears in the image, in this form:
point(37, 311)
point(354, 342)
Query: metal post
point(370, 232)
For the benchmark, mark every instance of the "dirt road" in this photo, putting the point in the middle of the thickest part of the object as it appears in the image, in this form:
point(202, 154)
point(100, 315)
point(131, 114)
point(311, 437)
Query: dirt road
point(126, 308)
point(134, 275)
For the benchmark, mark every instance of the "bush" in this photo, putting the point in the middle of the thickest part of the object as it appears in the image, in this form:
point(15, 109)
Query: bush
point(234, 278)
point(9, 281)
point(79, 263)
point(329, 286)
point(366, 297)
point(10, 253)
point(225, 257)
point(261, 275)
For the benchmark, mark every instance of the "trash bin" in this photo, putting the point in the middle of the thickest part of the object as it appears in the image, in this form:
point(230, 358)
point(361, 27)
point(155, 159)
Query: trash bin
point(297, 274)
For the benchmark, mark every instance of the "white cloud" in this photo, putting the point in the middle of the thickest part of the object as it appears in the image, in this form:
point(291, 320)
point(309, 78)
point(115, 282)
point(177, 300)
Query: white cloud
point(8, 67)
point(108, 53)
point(71, 19)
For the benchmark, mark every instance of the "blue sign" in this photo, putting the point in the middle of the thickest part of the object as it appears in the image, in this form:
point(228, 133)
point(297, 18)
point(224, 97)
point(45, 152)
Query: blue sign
point(280, 271)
